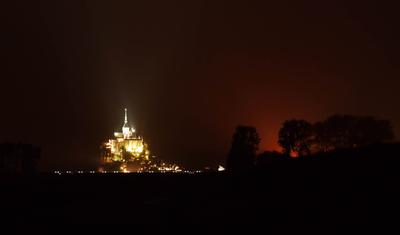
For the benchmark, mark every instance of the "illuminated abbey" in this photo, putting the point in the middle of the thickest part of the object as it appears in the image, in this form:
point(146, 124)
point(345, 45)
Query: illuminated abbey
point(128, 152)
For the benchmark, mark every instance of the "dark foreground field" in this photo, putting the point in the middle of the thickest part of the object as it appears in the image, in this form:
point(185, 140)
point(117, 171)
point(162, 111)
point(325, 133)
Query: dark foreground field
point(288, 198)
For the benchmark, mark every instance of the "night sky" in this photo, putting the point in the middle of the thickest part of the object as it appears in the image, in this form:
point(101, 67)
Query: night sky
point(189, 72)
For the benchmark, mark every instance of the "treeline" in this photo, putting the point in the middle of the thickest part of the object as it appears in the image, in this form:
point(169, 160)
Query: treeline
point(18, 158)
point(300, 138)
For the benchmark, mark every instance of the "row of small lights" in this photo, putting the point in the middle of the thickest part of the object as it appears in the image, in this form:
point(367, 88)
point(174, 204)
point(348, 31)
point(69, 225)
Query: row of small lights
point(93, 172)
point(71, 172)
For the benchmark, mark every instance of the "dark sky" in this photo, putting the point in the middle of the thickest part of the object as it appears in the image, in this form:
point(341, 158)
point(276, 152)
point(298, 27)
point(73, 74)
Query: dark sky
point(189, 71)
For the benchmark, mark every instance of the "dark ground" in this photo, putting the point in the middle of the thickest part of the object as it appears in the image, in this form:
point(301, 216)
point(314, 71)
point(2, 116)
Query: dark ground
point(287, 198)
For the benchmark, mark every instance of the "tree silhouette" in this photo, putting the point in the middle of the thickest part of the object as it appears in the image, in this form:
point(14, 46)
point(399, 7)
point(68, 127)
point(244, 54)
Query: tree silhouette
point(345, 131)
point(243, 150)
point(340, 130)
point(295, 137)
point(371, 131)
point(18, 158)
point(321, 140)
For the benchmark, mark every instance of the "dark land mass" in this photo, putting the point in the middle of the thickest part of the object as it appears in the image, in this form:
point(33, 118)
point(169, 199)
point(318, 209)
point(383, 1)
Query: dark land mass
point(324, 193)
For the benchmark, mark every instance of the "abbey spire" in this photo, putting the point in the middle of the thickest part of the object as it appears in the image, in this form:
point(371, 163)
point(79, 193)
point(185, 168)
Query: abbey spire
point(126, 130)
point(126, 116)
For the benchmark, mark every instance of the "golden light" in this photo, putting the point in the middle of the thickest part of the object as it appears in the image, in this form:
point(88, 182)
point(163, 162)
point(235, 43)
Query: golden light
point(129, 148)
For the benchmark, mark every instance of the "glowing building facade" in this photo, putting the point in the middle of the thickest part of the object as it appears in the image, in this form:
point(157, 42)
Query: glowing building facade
point(125, 147)
point(128, 152)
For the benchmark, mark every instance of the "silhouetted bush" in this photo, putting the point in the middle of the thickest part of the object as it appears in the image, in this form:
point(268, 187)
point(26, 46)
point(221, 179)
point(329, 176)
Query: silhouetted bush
point(270, 157)
point(340, 164)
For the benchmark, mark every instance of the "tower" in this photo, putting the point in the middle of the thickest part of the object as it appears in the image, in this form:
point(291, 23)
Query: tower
point(125, 128)
point(126, 116)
